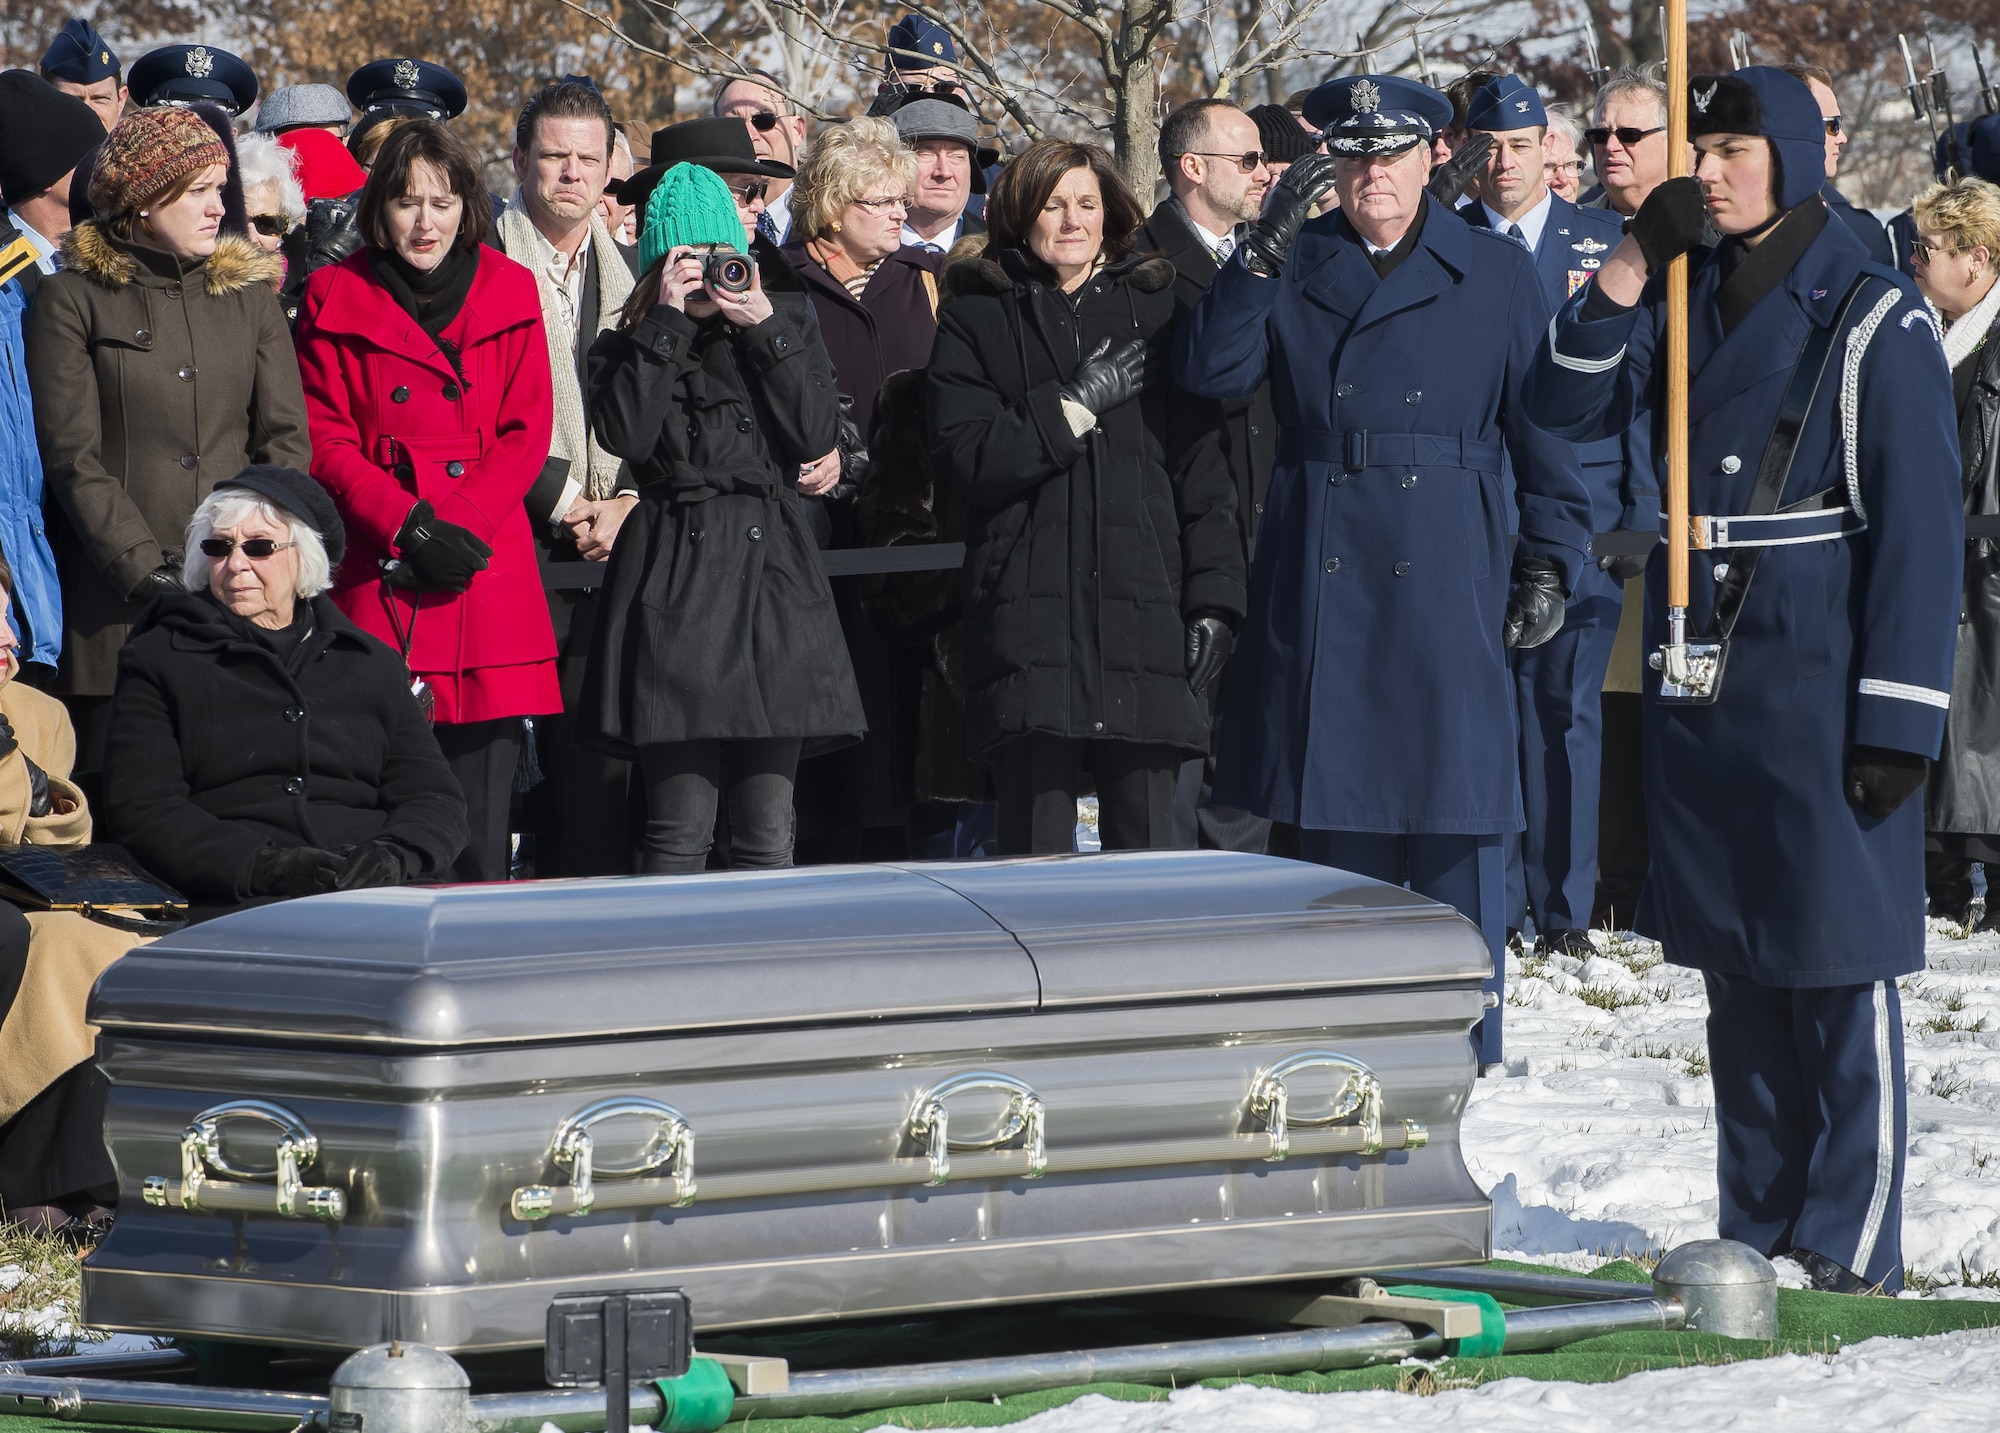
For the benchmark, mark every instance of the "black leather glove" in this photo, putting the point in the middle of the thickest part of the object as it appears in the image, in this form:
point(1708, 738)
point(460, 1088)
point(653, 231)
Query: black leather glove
point(1466, 164)
point(1625, 566)
point(164, 578)
point(438, 556)
point(1535, 602)
point(1108, 379)
point(373, 863)
point(40, 802)
point(9, 743)
point(1879, 779)
point(1673, 220)
point(293, 871)
point(1209, 643)
point(1299, 188)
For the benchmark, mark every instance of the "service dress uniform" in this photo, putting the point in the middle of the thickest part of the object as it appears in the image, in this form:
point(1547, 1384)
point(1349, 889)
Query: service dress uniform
point(1369, 701)
point(1800, 909)
point(1552, 869)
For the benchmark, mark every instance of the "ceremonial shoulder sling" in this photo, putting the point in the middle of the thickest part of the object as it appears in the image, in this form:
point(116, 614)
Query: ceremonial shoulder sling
point(1773, 471)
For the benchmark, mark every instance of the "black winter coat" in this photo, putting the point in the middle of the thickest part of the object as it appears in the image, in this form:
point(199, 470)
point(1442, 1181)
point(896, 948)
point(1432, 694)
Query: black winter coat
point(716, 619)
point(1964, 792)
point(1084, 555)
point(219, 748)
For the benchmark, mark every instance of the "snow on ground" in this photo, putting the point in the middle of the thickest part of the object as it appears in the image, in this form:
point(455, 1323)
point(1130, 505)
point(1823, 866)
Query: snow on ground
point(1600, 1139)
point(1931, 1385)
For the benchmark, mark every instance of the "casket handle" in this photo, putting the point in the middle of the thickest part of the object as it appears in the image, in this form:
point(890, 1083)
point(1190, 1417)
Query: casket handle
point(672, 1142)
point(1360, 1095)
point(1025, 1118)
point(201, 1152)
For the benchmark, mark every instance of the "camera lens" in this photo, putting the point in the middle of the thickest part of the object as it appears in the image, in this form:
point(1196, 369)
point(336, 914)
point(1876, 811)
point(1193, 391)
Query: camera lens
point(729, 273)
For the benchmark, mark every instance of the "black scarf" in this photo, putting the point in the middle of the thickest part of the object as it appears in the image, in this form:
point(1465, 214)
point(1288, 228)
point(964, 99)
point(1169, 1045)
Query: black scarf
point(1391, 258)
point(433, 297)
point(1748, 274)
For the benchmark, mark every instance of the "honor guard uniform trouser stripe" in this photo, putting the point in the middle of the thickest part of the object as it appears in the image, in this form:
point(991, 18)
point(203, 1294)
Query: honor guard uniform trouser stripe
point(1811, 1120)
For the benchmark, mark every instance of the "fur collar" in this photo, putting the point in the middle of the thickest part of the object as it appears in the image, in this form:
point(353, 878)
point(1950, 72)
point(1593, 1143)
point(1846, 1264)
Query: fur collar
point(1148, 273)
point(236, 263)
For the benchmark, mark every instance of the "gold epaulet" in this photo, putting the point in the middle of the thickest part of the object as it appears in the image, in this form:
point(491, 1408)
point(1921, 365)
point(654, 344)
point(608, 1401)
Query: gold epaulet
point(16, 257)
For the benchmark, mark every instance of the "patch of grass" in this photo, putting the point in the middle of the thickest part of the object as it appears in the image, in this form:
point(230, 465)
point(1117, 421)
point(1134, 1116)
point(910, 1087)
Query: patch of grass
point(38, 1273)
point(1950, 1022)
point(1694, 1059)
point(1612, 997)
point(1948, 1083)
point(1929, 1281)
point(1980, 1159)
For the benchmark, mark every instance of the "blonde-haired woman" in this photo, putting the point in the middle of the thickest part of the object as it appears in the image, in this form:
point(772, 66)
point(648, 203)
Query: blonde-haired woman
point(1957, 263)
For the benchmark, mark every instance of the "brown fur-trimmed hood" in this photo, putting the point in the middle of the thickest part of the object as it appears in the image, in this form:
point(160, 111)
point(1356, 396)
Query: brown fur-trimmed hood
point(236, 263)
point(1148, 273)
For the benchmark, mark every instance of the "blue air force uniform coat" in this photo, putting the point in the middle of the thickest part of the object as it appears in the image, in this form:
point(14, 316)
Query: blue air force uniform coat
point(1760, 867)
point(1369, 689)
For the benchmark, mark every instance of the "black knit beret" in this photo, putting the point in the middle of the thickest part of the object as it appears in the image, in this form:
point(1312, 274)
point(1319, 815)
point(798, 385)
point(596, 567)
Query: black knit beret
point(299, 494)
point(1285, 140)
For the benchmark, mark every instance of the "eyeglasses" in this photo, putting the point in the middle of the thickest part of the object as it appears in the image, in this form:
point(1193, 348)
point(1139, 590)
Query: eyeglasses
point(751, 192)
point(257, 549)
point(1563, 166)
point(1627, 135)
point(878, 206)
point(1832, 125)
point(1249, 163)
point(764, 121)
point(1923, 253)
point(272, 226)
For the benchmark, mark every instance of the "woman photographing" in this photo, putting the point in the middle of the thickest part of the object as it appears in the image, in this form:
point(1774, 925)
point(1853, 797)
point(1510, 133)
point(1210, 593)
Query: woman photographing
point(719, 655)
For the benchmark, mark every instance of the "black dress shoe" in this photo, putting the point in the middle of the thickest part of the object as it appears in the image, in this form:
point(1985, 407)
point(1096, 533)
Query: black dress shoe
point(1573, 943)
point(1829, 1277)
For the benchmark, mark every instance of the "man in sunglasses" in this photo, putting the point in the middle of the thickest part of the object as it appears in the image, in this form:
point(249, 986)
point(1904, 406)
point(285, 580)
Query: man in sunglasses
point(777, 133)
point(922, 59)
point(1867, 228)
point(1628, 140)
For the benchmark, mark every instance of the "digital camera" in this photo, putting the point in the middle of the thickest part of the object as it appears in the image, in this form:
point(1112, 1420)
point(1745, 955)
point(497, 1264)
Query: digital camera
point(728, 273)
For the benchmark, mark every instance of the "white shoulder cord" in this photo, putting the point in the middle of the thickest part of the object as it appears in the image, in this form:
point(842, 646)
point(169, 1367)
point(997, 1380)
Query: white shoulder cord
point(1858, 339)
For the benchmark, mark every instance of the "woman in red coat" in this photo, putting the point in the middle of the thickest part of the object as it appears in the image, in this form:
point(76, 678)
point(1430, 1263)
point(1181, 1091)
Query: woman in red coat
point(427, 388)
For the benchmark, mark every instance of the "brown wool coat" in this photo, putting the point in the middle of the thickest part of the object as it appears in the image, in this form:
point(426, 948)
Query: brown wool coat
point(153, 380)
point(43, 1033)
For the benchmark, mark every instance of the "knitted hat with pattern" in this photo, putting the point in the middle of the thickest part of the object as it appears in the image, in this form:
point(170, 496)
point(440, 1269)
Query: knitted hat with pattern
point(148, 152)
point(689, 208)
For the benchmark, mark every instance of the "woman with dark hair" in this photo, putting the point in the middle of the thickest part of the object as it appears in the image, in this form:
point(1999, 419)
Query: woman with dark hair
point(160, 365)
point(1103, 575)
point(427, 381)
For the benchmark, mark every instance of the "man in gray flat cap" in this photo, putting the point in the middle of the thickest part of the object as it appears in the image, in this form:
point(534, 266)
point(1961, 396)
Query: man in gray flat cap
point(951, 168)
point(303, 107)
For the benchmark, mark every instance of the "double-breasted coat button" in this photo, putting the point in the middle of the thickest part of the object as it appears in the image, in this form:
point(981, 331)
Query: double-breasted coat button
point(1732, 464)
point(1410, 480)
point(144, 335)
point(173, 291)
point(454, 469)
point(188, 461)
point(756, 534)
point(399, 395)
point(1346, 390)
point(695, 535)
point(295, 713)
point(1097, 726)
point(1402, 569)
point(1333, 564)
point(405, 472)
point(451, 392)
point(743, 425)
point(186, 375)
point(1415, 395)
point(781, 344)
point(296, 785)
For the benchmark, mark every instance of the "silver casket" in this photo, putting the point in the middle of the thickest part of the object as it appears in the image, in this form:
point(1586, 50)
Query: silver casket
point(797, 1095)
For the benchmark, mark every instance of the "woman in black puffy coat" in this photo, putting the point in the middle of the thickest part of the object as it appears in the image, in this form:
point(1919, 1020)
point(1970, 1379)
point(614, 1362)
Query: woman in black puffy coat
point(1103, 577)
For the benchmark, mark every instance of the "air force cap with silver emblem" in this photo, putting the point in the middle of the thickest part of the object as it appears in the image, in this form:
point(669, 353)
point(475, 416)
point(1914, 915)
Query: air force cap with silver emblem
point(404, 86)
point(1376, 115)
point(1508, 102)
point(192, 74)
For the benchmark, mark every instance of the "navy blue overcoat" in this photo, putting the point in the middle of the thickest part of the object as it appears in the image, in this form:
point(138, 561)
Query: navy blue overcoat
point(1760, 866)
point(1369, 690)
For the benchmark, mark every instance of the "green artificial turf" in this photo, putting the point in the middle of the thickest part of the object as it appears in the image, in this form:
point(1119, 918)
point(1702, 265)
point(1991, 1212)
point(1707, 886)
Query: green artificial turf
point(1807, 1323)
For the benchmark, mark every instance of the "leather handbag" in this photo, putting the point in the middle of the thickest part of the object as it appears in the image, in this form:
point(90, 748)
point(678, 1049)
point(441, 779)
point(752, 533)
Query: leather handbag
point(100, 882)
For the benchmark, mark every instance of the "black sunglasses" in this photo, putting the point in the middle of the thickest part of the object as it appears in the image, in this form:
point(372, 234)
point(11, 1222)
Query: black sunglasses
point(1248, 163)
point(764, 121)
point(274, 226)
point(254, 548)
point(750, 191)
point(1627, 135)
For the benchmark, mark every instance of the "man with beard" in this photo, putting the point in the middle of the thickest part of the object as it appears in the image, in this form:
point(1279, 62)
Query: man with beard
point(553, 227)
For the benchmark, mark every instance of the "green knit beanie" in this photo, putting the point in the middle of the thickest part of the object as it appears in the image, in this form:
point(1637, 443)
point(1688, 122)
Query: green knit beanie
point(690, 207)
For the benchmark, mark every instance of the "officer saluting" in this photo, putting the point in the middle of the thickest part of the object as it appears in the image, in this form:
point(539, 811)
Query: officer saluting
point(1553, 872)
point(1787, 857)
point(1369, 701)
point(193, 74)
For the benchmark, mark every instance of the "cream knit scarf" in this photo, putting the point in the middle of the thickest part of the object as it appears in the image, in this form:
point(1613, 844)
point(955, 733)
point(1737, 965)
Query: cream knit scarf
point(1963, 338)
point(593, 472)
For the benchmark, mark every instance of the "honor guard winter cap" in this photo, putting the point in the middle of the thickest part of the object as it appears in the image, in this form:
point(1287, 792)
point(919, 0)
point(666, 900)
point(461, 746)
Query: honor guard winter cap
point(1506, 103)
point(190, 74)
point(1765, 101)
point(79, 55)
point(1376, 116)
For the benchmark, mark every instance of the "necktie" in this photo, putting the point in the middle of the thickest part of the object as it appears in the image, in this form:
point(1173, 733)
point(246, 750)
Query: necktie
point(1514, 233)
point(767, 226)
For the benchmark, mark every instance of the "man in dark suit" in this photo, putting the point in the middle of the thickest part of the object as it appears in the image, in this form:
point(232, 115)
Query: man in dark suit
point(1552, 871)
point(1212, 155)
point(951, 168)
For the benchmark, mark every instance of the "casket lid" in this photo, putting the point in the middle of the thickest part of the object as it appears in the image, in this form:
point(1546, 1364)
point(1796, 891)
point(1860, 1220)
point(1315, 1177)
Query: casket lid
point(441, 967)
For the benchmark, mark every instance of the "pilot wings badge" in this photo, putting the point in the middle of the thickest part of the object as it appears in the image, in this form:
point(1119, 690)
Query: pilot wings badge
point(1366, 97)
point(1589, 246)
point(1704, 98)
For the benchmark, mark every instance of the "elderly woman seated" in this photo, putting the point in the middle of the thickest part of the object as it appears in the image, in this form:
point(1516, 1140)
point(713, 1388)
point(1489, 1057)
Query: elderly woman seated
point(262, 745)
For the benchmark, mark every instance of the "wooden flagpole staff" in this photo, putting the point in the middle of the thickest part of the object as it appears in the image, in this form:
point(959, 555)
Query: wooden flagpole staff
point(1678, 679)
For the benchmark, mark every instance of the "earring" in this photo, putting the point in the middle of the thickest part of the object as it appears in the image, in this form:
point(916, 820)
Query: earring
point(836, 226)
point(145, 213)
